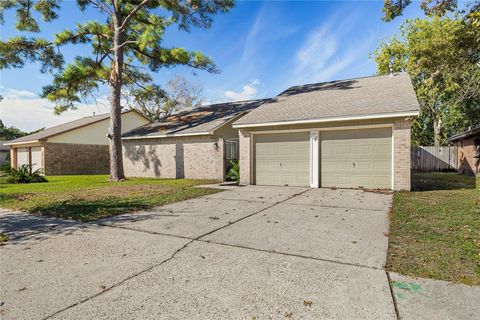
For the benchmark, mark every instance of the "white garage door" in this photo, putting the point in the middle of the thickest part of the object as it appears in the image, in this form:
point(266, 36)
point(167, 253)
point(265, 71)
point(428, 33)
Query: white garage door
point(36, 158)
point(356, 158)
point(22, 156)
point(282, 159)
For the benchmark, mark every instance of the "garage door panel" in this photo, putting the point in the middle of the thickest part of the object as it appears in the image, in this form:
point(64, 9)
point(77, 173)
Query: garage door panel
point(272, 178)
point(345, 150)
point(22, 156)
point(36, 158)
point(368, 164)
point(293, 180)
point(382, 165)
point(342, 165)
point(383, 149)
point(282, 159)
point(363, 165)
point(363, 180)
point(363, 148)
point(382, 180)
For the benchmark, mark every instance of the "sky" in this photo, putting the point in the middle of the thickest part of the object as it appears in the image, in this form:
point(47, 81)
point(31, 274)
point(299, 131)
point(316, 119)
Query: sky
point(261, 48)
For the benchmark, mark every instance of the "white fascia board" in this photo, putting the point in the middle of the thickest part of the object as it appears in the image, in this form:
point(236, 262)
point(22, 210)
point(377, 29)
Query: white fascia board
point(170, 135)
point(20, 143)
point(332, 119)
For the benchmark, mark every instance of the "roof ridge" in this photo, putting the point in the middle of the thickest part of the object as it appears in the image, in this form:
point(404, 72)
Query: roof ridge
point(346, 79)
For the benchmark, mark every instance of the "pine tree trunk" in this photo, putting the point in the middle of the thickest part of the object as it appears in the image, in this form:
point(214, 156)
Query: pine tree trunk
point(437, 124)
point(115, 130)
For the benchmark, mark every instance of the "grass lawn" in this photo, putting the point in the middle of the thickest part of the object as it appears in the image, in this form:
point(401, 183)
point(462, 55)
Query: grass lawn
point(3, 238)
point(91, 197)
point(435, 229)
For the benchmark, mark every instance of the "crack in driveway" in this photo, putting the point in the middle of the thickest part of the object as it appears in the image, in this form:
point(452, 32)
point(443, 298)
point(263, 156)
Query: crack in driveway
point(169, 258)
point(197, 239)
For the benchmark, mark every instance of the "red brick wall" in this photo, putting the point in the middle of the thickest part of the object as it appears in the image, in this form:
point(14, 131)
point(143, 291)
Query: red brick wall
point(466, 151)
point(66, 158)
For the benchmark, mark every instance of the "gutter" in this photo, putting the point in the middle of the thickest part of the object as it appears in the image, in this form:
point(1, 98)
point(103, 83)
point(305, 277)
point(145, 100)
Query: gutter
point(331, 119)
point(169, 135)
point(21, 142)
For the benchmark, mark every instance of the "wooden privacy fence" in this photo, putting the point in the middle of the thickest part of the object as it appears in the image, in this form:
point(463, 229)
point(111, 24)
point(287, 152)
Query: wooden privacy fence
point(430, 158)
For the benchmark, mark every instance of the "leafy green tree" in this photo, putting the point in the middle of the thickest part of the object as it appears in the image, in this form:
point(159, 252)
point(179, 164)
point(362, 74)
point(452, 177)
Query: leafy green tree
point(11, 133)
point(156, 103)
point(395, 8)
point(125, 47)
point(441, 55)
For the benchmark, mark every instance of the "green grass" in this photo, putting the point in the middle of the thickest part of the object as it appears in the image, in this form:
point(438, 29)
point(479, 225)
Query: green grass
point(435, 229)
point(3, 238)
point(92, 197)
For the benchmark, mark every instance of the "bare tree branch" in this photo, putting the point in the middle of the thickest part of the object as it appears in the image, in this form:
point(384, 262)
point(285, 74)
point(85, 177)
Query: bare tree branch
point(132, 14)
point(101, 6)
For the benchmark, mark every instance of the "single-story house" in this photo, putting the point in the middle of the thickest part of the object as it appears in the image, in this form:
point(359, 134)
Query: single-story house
point(348, 134)
point(194, 144)
point(4, 151)
point(345, 134)
point(468, 151)
point(75, 147)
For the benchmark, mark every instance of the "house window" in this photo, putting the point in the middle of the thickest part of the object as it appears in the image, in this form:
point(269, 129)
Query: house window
point(231, 149)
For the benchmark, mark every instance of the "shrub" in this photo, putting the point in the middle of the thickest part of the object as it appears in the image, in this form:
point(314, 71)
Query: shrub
point(24, 174)
point(234, 172)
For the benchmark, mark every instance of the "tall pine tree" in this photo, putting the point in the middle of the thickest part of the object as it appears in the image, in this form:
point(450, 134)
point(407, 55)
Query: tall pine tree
point(125, 48)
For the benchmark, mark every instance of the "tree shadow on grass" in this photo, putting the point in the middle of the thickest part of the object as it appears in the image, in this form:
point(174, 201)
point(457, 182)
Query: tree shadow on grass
point(90, 210)
point(442, 181)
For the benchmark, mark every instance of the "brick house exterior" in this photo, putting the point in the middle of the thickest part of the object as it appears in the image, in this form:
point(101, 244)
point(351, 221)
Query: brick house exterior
point(192, 157)
point(193, 144)
point(401, 132)
point(468, 151)
point(351, 133)
point(69, 158)
point(76, 147)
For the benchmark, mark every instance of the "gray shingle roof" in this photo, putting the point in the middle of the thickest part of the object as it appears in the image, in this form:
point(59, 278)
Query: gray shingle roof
point(466, 134)
point(64, 127)
point(196, 121)
point(342, 98)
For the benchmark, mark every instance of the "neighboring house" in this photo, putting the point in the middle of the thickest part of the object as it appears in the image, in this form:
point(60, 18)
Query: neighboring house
point(347, 134)
point(468, 151)
point(4, 151)
point(76, 147)
point(193, 144)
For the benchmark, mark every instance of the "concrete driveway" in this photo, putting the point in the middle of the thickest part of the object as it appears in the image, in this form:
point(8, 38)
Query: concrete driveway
point(248, 253)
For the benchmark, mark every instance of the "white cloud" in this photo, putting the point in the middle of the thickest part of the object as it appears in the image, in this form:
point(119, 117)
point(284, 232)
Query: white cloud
point(248, 91)
point(27, 111)
point(13, 93)
point(324, 52)
point(262, 32)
